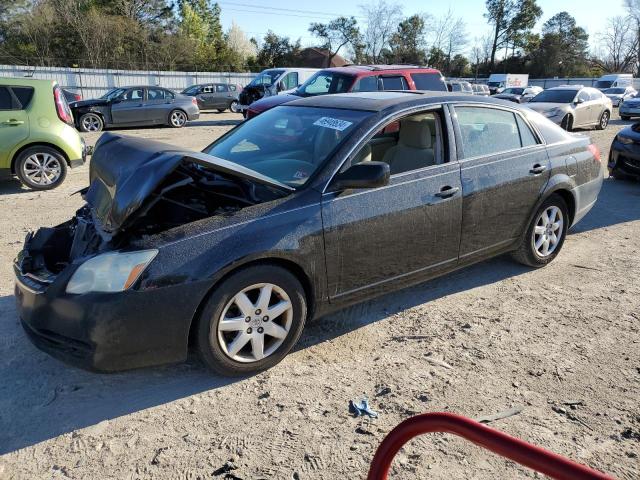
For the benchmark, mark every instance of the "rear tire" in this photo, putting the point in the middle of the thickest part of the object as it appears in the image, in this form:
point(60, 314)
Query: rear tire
point(603, 121)
point(624, 117)
point(218, 346)
point(531, 251)
point(234, 107)
point(177, 119)
point(567, 122)
point(221, 110)
point(41, 168)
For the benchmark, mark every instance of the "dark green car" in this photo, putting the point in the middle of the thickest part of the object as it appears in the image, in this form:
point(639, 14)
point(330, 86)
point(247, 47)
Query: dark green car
point(38, 141)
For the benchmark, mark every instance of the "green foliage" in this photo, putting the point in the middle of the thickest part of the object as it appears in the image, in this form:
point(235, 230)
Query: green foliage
point(338, 33)
point(407, 45)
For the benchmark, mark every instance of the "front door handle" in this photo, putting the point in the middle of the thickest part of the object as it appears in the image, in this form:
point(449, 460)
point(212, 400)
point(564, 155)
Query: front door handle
point(538, 169)
point(446, 192)
point(13, 122)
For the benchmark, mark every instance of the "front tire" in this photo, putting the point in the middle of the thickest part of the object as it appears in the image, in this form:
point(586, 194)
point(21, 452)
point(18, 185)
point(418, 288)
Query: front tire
point(177, 119)
point(252, 320)
point(567, 123)
point(91, 122)
point(234, 107)
point(604, 120)
point(41, 168)
point(544, 237)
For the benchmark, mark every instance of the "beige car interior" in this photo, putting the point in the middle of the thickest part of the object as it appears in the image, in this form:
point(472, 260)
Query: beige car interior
point(410, 144)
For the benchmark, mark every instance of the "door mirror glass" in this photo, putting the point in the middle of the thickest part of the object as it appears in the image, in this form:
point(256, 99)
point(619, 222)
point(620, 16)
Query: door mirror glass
point(363, 175)
point(579, 100)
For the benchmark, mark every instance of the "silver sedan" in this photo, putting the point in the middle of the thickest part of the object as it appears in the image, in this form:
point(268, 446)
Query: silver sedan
point(573, 106)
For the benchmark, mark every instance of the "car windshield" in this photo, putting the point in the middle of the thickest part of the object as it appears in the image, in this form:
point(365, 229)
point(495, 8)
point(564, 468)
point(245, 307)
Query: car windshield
point(555, 96)
point(287, 143)
point(111, 94)
point(191, 90)
point(266, 78)
point(513, 91)
point(614, 90)
point(603, 83)
point(325, 82)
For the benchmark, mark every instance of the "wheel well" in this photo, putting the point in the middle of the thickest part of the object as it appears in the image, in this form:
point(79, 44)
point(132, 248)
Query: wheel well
point(292, 267)
point(570, 201)
point(23, 148)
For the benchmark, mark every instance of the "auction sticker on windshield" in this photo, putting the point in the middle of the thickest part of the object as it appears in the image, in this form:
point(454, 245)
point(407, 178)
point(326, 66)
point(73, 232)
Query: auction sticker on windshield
point(334, 123)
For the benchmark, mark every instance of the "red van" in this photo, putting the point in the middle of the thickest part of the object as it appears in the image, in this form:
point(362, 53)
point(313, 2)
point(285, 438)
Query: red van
point(357, 78)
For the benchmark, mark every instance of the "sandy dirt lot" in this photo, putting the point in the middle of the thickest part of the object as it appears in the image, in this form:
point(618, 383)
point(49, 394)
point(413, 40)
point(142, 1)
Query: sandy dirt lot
point(562, 343)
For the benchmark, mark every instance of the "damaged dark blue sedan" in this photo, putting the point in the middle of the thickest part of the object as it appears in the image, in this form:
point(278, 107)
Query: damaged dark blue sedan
point(305, 209)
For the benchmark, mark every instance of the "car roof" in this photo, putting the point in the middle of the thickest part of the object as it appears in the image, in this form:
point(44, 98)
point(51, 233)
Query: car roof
point(365, 70)
point(378, 101)
point(28, 82)
point(568, 87)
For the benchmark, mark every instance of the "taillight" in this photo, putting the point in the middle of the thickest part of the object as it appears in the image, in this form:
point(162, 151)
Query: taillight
point(194, 101)
point(595, 151)
point(62, 107)
point(77, 97)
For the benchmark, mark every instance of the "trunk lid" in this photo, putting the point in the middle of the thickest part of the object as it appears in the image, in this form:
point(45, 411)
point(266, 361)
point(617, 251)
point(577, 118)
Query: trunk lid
point(125, 172)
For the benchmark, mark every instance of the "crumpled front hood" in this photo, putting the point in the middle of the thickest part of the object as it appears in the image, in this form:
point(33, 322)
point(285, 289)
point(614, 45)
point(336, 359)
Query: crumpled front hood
point(94, 102)
point(274, 100)
point(125, 171)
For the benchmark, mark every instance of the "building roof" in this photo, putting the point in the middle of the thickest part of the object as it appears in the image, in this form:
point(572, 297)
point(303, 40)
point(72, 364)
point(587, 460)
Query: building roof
point(317, 58)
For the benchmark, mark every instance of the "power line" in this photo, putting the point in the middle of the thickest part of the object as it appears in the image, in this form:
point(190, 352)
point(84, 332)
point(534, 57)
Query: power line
point(305, 13)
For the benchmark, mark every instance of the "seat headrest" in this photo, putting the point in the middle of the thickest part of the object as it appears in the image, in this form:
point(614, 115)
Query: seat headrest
point(415, 133)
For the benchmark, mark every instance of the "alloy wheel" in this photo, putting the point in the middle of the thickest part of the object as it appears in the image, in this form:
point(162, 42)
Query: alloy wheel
point(548, 231)
point(91, 123)
point(42, 169)
point(604, 120)
point(234, 107)
point(254, 323)
point(178, 118)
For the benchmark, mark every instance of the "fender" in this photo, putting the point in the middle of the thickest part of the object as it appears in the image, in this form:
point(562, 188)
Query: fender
point(558, 182)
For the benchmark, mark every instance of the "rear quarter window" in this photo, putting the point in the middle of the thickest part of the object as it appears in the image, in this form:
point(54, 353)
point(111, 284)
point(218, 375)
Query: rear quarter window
point(428, 81)
point(24, 95)
point(6, 101)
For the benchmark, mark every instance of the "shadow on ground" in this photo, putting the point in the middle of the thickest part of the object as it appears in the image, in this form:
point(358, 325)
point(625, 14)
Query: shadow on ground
point(41, 398)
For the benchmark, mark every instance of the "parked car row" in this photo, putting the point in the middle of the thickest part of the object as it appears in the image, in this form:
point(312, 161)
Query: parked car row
point(290, 215)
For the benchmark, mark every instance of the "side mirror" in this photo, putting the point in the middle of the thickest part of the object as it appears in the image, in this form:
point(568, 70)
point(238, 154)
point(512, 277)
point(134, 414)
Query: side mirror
point(116, 100)
point(280, 86)
point(363, 175)
point(579, 101)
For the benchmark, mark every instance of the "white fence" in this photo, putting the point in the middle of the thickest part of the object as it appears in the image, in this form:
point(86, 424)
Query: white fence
point(92, 83)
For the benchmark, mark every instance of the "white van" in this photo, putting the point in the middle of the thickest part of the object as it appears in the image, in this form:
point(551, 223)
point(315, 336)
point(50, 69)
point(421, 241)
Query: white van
point(614, 80)
point(273, 81)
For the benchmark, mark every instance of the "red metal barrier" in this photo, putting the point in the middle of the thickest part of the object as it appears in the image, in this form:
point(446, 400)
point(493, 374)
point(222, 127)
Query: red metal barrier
point(510, 447)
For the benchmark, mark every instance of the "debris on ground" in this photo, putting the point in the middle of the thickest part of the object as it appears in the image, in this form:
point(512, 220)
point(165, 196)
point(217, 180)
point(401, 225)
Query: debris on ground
point(361, 408)
point(500, 415)
point(570, 416)
point(438, 363)
point(228, 467)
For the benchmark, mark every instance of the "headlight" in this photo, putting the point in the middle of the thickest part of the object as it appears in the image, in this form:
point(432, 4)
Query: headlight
point(110, 272)
point(625, 140)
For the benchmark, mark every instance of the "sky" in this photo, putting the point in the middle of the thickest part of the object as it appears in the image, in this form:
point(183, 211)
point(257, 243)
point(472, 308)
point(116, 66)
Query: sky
point(292, 18)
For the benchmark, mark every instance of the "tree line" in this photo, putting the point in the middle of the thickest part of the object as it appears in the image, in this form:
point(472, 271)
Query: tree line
point(188, 35)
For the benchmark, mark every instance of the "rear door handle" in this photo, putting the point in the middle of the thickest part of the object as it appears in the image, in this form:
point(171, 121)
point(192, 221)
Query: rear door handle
point(13, 122)
point(538, 169)
point(446, 192)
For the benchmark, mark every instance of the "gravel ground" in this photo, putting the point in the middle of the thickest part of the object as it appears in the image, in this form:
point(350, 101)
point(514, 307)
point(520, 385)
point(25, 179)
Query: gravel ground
point(562, 343)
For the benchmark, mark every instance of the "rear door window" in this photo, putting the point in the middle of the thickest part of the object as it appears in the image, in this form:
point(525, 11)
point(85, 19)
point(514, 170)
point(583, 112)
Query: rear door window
point(24, 95)
point(428, 81)
point(221, 88)
point(6, 100)
point(393, 83)
point(155, 94)
point(366, 84)
point(486, 131)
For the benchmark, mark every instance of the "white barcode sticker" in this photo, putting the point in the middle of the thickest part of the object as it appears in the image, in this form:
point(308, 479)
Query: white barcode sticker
point(333, 123)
